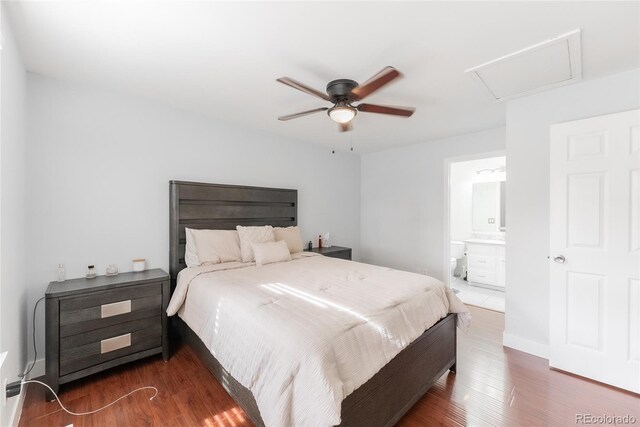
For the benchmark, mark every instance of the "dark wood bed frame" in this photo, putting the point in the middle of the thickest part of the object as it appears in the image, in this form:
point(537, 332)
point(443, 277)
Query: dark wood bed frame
point(382, 400)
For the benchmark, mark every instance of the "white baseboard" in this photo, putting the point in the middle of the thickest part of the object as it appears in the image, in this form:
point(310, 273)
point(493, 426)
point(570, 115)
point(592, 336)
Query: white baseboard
point(37, 371)
point(17, 409)
point(528, 346)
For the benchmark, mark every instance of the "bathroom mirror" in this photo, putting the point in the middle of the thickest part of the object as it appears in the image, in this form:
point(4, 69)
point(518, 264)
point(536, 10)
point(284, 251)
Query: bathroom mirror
point(488, 206)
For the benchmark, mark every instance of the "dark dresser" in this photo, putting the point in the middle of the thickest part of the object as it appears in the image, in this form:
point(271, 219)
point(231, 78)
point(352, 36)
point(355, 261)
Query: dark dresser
point(96, 324)
point(333, 251)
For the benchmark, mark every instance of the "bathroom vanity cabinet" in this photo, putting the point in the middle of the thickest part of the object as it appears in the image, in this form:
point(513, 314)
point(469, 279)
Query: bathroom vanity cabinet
point(486, 262)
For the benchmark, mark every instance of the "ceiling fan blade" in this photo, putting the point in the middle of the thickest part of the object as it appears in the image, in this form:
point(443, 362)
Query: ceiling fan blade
point(303, 113)
point(383, 109)
point(384, 77)
point(345, 127)
point(304, 88)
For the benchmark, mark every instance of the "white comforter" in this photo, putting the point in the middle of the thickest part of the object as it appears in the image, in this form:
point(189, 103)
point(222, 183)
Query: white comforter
point(302, 335)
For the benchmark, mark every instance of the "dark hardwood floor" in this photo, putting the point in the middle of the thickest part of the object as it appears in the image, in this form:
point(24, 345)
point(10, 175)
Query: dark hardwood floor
point(494, 386)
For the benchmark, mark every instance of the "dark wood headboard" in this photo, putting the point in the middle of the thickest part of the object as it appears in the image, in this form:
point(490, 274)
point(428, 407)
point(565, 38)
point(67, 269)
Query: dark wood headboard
point(222, 207)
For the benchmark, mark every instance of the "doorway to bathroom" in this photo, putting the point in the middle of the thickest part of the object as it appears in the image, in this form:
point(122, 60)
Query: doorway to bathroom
point(475, 229)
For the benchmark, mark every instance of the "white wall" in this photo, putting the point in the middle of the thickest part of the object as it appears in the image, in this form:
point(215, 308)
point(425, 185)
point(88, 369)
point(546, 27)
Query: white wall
point(402, 200)
point(528, 121)
point(13, 290)
point(462, 177)
point(100, 165)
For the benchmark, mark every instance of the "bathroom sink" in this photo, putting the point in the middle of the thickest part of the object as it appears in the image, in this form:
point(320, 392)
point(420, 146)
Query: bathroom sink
point(485, 241)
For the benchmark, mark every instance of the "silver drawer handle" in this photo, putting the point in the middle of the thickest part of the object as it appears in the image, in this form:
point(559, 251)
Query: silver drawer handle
point(115, 309)
point(115, 343)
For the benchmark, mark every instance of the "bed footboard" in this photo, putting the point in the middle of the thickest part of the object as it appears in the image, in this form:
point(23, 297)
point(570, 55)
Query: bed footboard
point(389, 394)
point(382, 400)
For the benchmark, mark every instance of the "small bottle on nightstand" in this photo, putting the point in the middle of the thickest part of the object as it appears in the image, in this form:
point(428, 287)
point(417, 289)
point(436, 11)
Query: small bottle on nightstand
point(60, 273)
point(91, 272)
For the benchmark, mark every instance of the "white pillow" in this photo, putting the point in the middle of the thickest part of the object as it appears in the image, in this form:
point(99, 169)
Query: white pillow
point(268, 253)
point(216, 246)
point(250, 235)
point(190, 250)
point(292, 236)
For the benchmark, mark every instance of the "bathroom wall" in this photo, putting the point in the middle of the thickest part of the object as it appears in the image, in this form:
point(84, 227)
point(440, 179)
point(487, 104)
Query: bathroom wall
point(462, 177)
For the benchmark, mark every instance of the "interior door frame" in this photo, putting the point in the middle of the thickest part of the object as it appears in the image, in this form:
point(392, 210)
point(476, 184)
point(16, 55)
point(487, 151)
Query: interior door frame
point(447, 203)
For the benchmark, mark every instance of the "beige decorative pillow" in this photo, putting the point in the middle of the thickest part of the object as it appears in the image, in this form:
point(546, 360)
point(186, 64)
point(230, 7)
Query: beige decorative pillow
point(190, 249)
point(270, 252)
point(251, 235)
point(216, 246)
point(292, 236)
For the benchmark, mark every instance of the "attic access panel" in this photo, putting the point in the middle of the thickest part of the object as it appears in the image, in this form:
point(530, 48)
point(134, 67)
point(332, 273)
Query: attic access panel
point(552, 63)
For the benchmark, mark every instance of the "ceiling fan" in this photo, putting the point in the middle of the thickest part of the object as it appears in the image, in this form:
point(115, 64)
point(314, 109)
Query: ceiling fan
point(343, 92)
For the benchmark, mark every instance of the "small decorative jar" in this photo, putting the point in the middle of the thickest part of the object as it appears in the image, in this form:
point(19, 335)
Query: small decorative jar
point(91, 272)
point(112, 270)
point(139, 264)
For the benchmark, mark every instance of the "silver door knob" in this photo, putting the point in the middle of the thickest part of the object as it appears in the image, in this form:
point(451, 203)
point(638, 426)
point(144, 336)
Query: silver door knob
point(560, 259)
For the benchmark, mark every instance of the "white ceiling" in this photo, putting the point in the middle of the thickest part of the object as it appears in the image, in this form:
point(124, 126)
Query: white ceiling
point(222, 58)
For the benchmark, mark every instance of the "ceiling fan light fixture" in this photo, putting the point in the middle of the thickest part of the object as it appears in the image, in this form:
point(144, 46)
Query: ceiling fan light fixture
point(342, 113)
point(342, 92)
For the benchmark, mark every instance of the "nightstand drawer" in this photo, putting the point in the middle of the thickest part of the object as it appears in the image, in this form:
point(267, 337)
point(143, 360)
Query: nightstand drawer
point(100, 316)
point(111, 347)
point(340, 254)
point(69, 343)
point(96, 299)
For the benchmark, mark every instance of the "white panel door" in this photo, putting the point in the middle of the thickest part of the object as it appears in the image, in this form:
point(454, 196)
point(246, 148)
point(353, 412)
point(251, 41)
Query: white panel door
point(595, 249)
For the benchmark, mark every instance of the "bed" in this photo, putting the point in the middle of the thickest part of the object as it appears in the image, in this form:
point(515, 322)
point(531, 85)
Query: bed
point(381, 400)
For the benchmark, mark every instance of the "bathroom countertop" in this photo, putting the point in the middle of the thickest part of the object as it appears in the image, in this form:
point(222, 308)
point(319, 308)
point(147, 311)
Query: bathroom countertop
point(486, 241)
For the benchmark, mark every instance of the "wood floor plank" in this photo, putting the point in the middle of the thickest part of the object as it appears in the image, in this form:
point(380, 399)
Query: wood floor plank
point(494, 386)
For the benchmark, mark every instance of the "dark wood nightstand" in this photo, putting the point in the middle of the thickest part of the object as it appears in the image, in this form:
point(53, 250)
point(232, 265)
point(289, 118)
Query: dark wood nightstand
point(333, 251)
point(96, 324)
